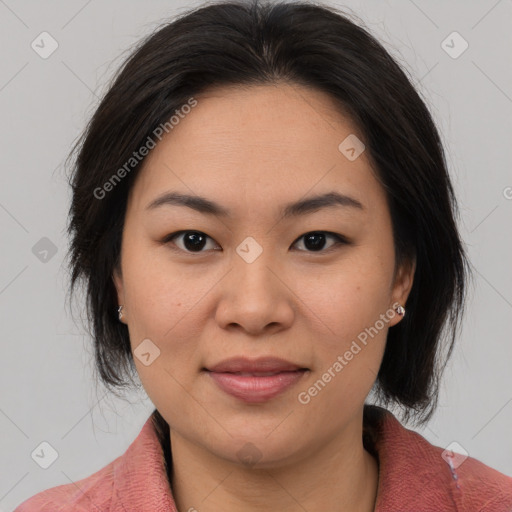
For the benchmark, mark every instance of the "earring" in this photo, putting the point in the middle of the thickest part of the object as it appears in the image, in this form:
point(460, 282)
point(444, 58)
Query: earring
point(400, 310)
point(120, 312)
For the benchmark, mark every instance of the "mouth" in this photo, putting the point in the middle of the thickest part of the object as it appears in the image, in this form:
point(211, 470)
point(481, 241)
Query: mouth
point(270, 365)
point(261, 374)
point(255, 381)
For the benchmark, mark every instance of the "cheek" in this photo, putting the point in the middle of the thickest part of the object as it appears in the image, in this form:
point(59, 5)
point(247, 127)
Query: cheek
point(349, 296)
point(349, 352)
point(160, 294)
point(163, 305)
point(352, 302)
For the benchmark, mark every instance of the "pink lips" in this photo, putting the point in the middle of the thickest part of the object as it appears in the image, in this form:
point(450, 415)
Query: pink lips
point(257, 380)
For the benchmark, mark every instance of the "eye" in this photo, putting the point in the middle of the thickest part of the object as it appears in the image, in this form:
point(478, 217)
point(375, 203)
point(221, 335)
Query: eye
point(196, 241)
point(192, 241)
point(315, 241)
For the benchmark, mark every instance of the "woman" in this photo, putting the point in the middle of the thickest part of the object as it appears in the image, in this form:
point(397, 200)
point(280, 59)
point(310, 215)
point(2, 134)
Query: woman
point(265, 225)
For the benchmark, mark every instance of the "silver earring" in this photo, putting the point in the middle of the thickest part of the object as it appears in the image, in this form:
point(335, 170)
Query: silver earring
point(400, 310)
point(120, 312)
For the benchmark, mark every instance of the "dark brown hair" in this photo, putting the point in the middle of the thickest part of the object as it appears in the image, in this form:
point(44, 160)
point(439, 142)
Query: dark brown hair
point(254, 43)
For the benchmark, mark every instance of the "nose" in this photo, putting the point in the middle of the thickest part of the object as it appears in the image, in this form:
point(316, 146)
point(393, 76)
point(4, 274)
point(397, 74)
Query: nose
point(256, 297)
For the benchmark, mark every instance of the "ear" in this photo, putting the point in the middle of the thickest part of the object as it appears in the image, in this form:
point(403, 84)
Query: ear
point(118, 283)
point(401, 287)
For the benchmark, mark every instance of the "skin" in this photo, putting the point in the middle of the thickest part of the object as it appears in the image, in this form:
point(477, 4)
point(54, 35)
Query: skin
point(253, 150)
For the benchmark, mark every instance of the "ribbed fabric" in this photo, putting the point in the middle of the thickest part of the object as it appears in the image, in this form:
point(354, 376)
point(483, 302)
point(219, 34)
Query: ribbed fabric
point(413, 477)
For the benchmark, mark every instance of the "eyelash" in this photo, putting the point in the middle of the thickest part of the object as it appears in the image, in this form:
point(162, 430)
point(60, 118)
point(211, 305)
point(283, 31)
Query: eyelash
point(339, 240)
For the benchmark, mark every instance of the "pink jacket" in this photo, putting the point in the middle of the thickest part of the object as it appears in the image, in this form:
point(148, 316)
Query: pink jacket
point(413, 477)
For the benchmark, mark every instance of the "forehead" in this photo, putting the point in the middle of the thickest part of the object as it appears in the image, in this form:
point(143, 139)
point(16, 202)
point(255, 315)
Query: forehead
point(258, 143)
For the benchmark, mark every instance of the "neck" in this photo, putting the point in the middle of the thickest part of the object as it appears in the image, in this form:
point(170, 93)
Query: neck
point(338, 476)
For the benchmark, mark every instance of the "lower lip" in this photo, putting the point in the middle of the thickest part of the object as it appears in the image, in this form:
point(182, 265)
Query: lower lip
point(253, 389)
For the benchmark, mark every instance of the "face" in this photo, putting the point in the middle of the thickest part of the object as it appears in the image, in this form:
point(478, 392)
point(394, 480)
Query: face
point(253, 276)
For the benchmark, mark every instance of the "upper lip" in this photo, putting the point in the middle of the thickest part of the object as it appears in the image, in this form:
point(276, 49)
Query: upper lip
point(262, 364)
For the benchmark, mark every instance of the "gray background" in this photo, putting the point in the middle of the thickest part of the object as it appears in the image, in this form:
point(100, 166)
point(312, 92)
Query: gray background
point(47, 388)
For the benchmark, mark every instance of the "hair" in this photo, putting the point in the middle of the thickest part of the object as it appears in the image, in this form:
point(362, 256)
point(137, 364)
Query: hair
point(236, 43)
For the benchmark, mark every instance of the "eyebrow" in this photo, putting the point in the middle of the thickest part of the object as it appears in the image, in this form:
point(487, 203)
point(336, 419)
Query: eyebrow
point(302, 207)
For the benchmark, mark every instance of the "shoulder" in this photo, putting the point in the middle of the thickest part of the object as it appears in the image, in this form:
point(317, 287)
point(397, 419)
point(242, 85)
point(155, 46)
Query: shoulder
point(417, 475)
point(482, 486)
point(91, 493)
point(136, 480)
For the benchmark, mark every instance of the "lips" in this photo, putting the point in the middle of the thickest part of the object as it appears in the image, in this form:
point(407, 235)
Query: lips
point(254, 366)
point(255, 381)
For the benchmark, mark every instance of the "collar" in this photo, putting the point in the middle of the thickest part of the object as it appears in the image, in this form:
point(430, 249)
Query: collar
point(412, 472)
point(140, 479)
